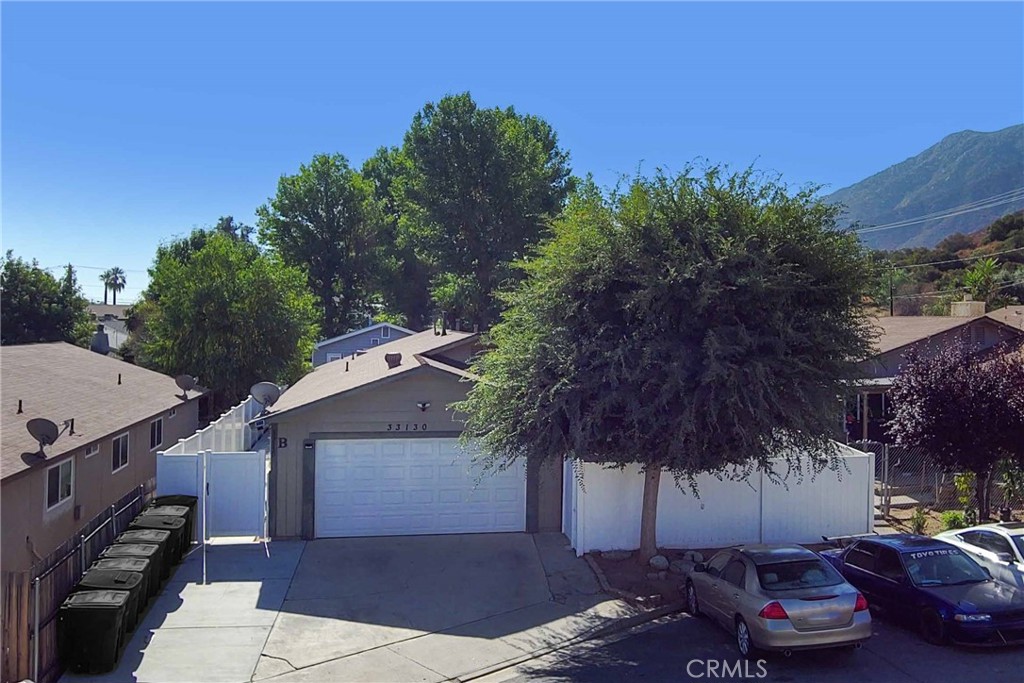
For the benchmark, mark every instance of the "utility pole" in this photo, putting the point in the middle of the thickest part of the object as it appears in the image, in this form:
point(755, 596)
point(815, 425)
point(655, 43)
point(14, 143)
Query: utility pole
point(892, 298)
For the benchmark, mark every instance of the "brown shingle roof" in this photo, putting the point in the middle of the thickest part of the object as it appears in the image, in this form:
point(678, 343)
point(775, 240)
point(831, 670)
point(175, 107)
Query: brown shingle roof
point(901, 330)
point(59, 382)
point(1009, 315)
point(331, 378)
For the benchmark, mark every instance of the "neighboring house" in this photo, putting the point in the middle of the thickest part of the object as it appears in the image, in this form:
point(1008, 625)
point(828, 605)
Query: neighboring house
point(1009, 315)
point(356, 342)
point(122, 415)
point(369, 447)
point(114, 321)
point(899, 334)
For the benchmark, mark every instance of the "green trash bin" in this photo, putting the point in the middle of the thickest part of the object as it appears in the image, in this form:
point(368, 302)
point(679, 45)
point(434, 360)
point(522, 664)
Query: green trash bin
point(145, 551)
point(158, 537)
point(90, 628)
point(176, 525)
point(191, 502)
point(174, 511)
point(133, 564)
point(112, 579)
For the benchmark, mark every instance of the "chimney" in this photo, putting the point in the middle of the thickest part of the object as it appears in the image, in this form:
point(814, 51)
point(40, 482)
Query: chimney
point(393, 360)
point(968, 308)
point(100, 343)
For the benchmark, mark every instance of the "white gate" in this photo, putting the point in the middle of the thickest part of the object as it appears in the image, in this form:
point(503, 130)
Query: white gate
point(235, 487)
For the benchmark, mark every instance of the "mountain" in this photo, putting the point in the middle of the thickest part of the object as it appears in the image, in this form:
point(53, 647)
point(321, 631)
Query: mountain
point(963, 169)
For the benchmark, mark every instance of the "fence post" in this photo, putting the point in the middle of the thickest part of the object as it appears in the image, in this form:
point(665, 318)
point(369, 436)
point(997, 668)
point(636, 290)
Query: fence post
point(886, 489)
point(35, 630)
point(113, 519)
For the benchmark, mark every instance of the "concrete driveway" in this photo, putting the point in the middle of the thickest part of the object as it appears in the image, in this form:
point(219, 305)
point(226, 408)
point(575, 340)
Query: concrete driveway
point(419, 608)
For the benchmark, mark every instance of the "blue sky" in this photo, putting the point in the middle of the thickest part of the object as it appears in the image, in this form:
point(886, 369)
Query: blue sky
point(124, 125)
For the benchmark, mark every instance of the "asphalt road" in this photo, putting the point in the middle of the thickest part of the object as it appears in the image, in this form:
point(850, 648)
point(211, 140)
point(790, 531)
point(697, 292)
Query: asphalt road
point(685, 649)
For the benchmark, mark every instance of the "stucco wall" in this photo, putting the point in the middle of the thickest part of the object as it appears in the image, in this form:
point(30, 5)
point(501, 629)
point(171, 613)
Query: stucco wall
point(604, 514)
point(95, 488)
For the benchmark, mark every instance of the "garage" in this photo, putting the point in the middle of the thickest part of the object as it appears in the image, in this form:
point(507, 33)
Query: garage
point(411, 486)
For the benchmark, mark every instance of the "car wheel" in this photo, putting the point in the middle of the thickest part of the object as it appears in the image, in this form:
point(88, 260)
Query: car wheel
point(932, 628)
point(692, 604)
point(744, 643)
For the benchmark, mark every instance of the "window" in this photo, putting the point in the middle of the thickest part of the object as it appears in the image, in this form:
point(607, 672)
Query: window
point(797, 574)
point(888, 564)
point(987, 540)
point(385, 333)
point(59, 482)
point(92, 450)
point(718, 562)
point(119, 453)
point(861, 556)
point(943, 567)
point(156, 433)
point(735, 573)
point(334, 356)
point(375, 342)
point(172, 413)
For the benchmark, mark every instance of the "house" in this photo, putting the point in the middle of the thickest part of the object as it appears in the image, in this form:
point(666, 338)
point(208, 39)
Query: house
point(369, 447)
point(357, 341)
point(1009, 315)
point(901, 334)
point(112, 417)
point(113, 320)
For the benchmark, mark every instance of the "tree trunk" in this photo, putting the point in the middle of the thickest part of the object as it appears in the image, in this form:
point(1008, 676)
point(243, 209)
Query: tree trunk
point(104, 296)
point(649, 514)
point(115, 296)
point(981, 494)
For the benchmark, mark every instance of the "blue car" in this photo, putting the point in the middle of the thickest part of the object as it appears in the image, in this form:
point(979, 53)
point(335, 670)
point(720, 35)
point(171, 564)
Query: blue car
point(934, 586)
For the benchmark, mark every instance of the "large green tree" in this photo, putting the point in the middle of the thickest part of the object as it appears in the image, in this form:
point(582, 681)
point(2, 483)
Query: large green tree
point(37, 307)
point(226, 313)
point(323, 220)
point(691, 323)
point(480, 187)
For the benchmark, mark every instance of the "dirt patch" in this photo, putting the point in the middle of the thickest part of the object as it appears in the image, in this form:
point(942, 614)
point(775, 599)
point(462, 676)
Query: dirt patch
point(899, 520)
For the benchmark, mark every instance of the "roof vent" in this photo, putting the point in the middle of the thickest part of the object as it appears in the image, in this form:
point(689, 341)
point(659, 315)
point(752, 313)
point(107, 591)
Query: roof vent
point(393, 359)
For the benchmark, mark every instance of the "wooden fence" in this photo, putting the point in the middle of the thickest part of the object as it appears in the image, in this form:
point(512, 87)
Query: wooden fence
point(32, 598)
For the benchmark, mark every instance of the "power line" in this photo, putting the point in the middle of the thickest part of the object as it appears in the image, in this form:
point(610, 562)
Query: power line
point(76, 267)
point(954, 291)
point(987, 203)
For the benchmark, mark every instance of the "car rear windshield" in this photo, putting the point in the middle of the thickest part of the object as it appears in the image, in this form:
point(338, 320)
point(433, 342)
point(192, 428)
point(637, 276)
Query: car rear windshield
point(787, 576)
point(942, 567)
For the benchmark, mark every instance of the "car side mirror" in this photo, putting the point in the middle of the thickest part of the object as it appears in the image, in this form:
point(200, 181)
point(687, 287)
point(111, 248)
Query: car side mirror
point(699, 567)
point(1004, 557)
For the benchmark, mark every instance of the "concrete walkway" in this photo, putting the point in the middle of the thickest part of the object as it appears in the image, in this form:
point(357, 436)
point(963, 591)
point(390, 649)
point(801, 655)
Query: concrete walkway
point(415, 608)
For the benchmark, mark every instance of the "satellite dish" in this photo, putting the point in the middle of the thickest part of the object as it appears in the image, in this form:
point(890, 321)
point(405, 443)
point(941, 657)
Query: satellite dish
point(42, 430)
point(265, 393)
point(185, 382)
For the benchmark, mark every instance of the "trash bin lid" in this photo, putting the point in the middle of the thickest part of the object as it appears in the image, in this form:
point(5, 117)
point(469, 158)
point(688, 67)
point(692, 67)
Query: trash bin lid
point(157, 522)
point(130, 550)
point(103, 599)
point(168, 510)
point(126, 564)
point(111, 578)
point(143, 536)
point(175, 499)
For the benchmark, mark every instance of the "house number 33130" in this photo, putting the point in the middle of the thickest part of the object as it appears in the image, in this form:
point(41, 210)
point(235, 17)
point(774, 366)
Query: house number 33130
point(407, 426)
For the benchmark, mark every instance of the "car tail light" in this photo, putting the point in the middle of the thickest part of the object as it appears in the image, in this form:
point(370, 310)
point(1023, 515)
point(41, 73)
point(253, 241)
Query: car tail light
point(862, 603)
point(773, 610)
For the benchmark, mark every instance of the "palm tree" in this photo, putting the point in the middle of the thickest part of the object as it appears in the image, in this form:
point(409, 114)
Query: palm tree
point(105, 279)
point(116, 281)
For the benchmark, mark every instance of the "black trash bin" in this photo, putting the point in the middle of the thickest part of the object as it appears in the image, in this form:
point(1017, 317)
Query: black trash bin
point(90, 629)
point(114, 580)
point(145, 551)
point(133, 564)
point(191, 502)
point(164, 539)
point(176, 525)
point(174, 511)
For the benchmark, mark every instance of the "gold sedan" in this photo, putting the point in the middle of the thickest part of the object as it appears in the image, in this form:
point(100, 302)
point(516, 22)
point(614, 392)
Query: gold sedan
point(778, 597)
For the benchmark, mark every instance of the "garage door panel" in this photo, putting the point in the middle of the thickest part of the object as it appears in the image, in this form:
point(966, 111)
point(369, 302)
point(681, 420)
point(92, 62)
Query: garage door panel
point(411, 486)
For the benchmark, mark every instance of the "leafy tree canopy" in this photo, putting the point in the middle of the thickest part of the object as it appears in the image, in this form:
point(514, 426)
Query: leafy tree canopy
point(962, 407)
point(480, 186)
point(37, 307)
point(227, 314)
point(689, 322)
point(324, 220)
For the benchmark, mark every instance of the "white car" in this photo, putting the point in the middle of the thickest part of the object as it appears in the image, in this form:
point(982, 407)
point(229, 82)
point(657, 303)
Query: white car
point(999, 547)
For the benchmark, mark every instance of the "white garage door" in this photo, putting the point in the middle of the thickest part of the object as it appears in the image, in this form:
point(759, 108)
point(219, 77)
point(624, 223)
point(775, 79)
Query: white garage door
point(398, 487)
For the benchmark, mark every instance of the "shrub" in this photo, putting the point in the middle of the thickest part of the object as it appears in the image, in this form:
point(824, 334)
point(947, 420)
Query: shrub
point(918, 521)
point(953, 519)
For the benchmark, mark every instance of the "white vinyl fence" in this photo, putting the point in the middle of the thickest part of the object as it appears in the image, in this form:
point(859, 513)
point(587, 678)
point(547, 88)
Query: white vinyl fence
point(604, 514)
point(231, 432)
